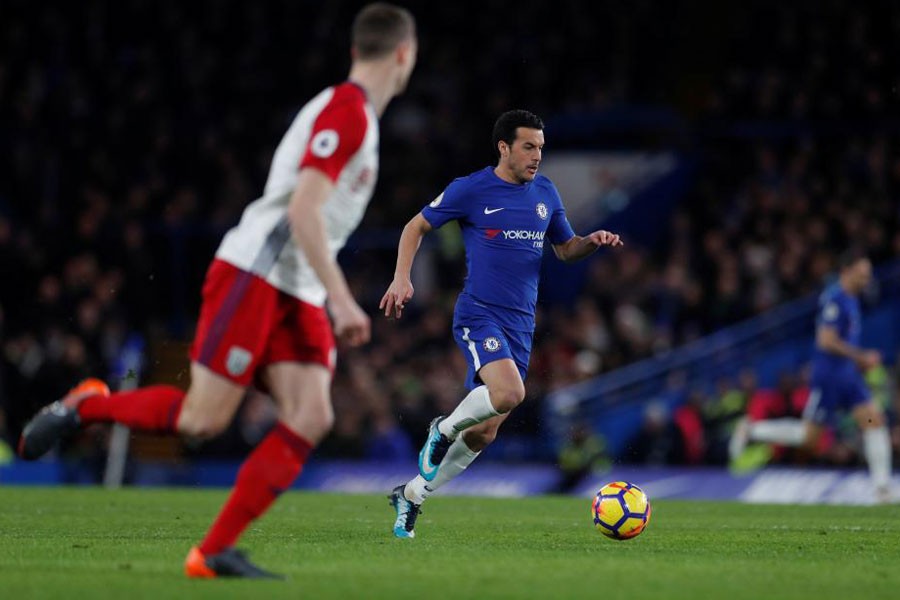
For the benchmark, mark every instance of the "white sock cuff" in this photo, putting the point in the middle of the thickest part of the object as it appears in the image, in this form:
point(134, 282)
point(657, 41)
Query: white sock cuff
point(787, 431)
point(877, 449)
point(460, 450)
point(878, 439)
point(877, 433)
point(475, 408)
point(415, 490)
point(482, 393)
point(459, 457)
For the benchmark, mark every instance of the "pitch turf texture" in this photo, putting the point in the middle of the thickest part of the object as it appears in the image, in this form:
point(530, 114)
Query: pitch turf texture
point(92, 543)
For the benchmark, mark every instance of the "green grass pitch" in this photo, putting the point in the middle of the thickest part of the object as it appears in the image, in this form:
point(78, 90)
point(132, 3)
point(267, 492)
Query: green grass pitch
point(88, 543)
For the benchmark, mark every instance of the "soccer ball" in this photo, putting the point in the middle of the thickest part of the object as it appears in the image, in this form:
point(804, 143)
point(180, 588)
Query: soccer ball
point(620, 510)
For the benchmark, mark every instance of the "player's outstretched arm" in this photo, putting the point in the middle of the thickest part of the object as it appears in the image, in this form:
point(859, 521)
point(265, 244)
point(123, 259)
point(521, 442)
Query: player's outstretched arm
point(580, 247)
point(313, 189)
point(401, 290)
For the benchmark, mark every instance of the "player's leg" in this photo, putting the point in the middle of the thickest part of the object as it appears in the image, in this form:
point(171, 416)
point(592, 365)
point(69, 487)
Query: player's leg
point(462, 453)
point(204, 411)
point(407, 499)
point(503, 390)
point(210, 404)
point(490, 354)
point(298, 360)
point(876, 447)
point(498, 362)
point(855, 397)
point(503, 374)
point(475, 408)
point(204, 415)
point(304, 418)
point(500, 376)
point(506, 389)
point(303, 395)
point(803, 432)
point(784, 432)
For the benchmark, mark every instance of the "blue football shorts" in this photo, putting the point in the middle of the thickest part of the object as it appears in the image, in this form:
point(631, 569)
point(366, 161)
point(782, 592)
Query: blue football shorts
point(832, 394)
point(482, 341)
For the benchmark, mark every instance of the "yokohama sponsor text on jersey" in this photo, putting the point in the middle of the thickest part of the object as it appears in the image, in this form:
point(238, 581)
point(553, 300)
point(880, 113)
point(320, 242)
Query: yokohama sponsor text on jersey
point(337, 133)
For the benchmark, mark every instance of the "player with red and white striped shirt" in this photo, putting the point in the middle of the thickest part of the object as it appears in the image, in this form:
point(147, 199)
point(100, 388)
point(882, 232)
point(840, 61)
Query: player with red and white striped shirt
point(263, 319)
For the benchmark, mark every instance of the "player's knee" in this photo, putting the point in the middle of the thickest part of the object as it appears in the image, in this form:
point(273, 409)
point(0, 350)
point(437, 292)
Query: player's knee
point(507, 398)
point(871, 419)
point(323, 420)
point(315, 419)
point(194, 425)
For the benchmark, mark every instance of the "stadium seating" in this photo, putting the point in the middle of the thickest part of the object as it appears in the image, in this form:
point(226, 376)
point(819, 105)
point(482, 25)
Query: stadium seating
point(131, 155)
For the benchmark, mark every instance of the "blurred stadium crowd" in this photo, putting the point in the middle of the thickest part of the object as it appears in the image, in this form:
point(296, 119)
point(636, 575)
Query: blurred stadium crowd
point(133, 133)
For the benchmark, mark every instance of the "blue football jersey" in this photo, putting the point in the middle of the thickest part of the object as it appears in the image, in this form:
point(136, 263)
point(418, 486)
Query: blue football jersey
point(839, 310)
point(504, 226)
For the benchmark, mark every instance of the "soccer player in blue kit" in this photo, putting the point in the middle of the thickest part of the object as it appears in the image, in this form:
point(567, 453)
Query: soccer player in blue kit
point(836, 381)
point(505, 214)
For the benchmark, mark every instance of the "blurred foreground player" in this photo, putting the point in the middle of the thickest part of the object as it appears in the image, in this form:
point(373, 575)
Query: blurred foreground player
point(263, 318)
point(836, 382)
point(505, 213)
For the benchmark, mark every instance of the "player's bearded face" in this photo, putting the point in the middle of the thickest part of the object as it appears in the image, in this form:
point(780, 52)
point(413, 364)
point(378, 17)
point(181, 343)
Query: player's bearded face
point(525, 153)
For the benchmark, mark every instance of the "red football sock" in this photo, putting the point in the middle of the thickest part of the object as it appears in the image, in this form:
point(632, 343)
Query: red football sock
point(269, 470)
point(154, 408)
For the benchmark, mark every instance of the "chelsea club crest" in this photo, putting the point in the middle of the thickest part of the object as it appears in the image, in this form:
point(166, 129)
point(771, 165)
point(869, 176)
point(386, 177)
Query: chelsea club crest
point(491, 344)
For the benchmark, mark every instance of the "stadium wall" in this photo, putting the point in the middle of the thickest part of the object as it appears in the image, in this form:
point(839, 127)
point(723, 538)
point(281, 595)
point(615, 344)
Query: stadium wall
point(771, 485)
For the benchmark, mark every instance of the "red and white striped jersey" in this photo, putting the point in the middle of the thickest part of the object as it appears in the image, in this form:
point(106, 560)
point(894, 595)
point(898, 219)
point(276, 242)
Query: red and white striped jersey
point(337, 133)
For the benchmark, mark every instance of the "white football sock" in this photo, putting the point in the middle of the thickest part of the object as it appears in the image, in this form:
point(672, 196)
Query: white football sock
point(877, 448)
point(415, 490)
point(458, 457)
point(787, 432)
point(475, 408)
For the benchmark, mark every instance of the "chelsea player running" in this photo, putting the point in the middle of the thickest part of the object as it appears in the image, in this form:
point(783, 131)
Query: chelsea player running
point(505, 214)
point(836, 383)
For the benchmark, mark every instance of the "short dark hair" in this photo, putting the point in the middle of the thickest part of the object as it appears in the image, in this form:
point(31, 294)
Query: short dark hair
point(379, 28)
point(850, 257)
point(508, 122)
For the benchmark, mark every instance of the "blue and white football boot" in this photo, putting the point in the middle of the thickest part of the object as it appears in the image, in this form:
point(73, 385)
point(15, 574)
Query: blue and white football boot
point(434, 450)
point(407, 513)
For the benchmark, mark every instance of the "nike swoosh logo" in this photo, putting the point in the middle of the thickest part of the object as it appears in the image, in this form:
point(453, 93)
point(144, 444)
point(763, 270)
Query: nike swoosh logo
point(490, 211)
point(425, 470)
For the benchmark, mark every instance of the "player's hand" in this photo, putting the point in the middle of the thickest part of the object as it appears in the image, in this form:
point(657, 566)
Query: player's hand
point(605, 238)
point(351, 325)
point(869, 360)
point(395, 298)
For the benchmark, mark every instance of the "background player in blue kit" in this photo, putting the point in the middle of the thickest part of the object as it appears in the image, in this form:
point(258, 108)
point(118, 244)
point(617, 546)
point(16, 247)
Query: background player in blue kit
point(836, 382)
point(505, 214)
